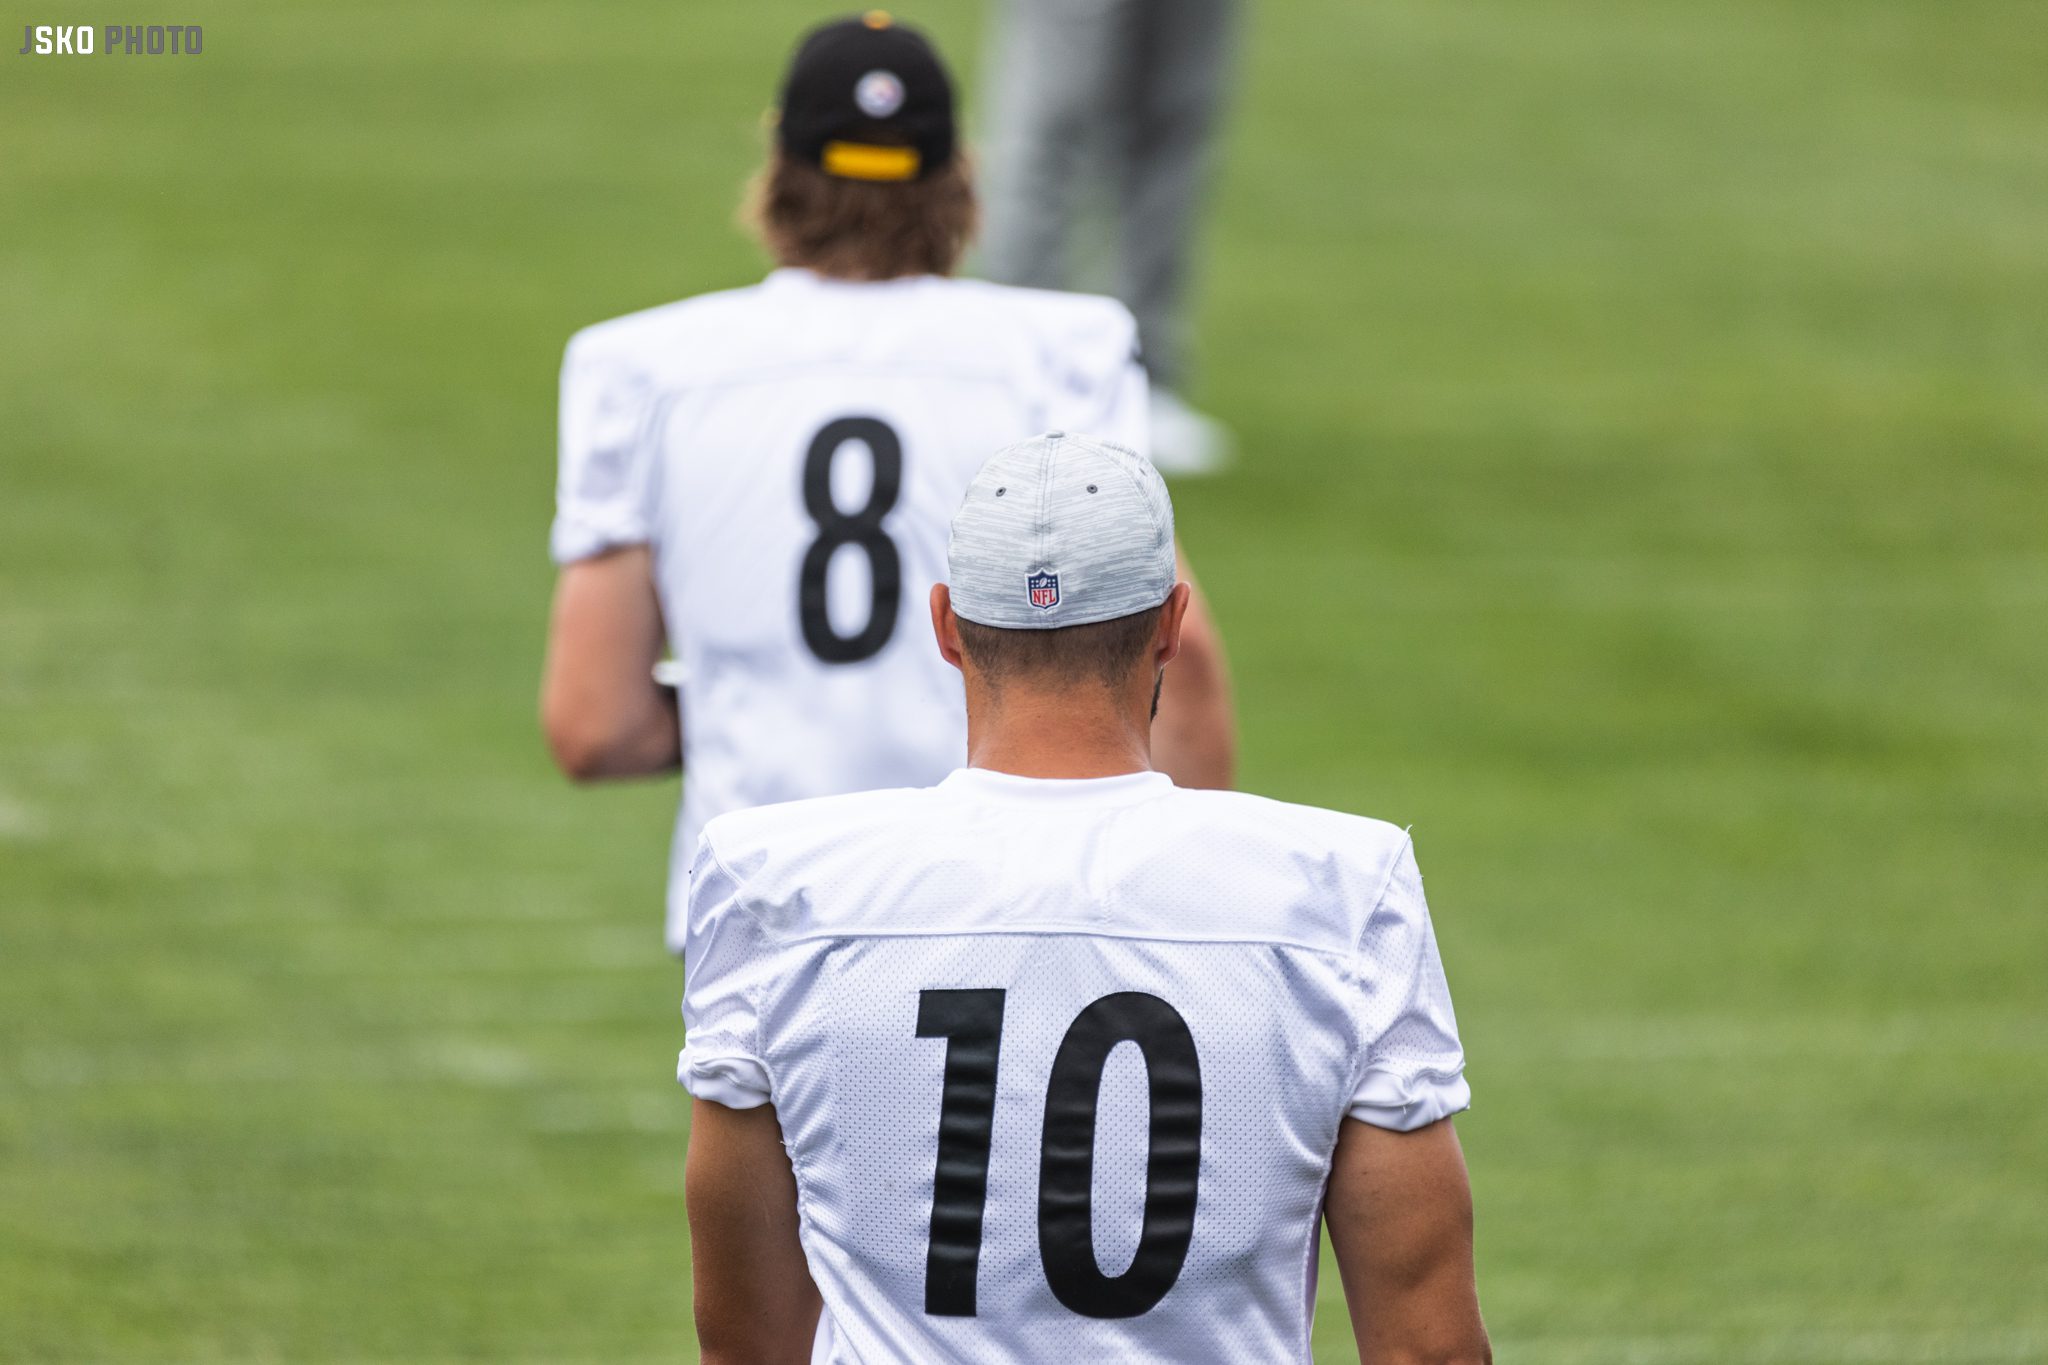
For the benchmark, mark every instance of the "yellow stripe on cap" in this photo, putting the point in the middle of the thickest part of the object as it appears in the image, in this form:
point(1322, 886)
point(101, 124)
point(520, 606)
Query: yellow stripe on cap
point(861, 161)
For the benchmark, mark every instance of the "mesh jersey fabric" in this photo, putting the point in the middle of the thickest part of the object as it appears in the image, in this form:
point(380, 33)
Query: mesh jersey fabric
point(706, 430)
point(1293, 944)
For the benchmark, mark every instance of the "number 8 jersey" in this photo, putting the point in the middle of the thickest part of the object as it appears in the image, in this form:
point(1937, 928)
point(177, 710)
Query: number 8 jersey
point(794, 453)
point(1060, 1065)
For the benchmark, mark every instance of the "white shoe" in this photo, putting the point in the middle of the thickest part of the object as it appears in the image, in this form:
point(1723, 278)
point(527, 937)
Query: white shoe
point(1186, 442)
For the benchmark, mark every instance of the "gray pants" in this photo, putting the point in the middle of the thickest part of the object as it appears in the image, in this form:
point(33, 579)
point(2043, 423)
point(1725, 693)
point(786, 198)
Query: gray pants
point(1124, 94)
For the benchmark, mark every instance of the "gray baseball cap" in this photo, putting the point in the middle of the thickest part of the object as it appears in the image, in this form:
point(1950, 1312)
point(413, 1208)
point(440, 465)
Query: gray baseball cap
point(1061, 530)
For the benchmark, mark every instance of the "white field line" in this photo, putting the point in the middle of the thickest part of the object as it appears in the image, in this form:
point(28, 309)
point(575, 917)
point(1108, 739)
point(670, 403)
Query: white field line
point(20, 822)
point(470, 1060)
point(460, 1061)
point(635, 1111)
point(1982, 1346)
point(1739, 1038)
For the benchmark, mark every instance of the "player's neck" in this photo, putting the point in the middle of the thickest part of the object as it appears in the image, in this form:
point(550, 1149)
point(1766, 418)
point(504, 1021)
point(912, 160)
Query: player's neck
point(1065, 734)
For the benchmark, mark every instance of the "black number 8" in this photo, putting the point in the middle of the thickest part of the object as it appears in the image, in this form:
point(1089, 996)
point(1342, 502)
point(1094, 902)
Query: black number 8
point(862, 528)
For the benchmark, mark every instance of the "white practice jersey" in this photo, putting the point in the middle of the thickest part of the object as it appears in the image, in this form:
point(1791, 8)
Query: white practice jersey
point(1060, 1065)
point(794, 453)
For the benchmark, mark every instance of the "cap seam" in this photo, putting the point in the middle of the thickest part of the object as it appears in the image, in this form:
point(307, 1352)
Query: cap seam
point(1044, 548)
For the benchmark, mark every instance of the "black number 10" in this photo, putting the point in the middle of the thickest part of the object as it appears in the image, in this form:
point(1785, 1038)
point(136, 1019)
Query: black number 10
point(971, 1021)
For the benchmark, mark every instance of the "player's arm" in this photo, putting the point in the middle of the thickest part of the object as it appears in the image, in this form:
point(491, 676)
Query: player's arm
point(756, 1304)
point(1194, 736)
point(602, 712)
point(1400, 1216)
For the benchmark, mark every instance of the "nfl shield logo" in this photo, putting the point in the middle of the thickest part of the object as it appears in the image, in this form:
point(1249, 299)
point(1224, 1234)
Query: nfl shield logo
point(1044, 589)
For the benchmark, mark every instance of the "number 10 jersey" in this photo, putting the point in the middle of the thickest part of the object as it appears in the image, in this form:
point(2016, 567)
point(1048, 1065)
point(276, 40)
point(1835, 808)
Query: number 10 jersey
point(794, 453)
point(1060, 1065)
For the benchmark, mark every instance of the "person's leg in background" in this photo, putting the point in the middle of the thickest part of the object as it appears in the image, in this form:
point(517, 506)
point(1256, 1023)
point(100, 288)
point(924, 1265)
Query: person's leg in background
point(1058, 71)
point(1174, 91)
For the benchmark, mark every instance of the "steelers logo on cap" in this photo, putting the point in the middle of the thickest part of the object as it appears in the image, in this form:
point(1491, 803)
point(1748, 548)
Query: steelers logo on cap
point(879, 94)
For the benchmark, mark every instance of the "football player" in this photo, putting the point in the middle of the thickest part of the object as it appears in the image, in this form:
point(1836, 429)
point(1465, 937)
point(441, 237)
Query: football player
point(760, 480)
point(1056, 1060)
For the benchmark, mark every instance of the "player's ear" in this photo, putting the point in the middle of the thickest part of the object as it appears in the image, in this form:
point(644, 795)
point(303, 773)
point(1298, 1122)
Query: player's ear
point(945, 625)
point(1173, 613)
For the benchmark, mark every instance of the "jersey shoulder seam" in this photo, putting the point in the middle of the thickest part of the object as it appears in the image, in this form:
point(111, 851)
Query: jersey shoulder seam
point(1393, 866)
point(1352, 965)
point(675, 387)
point(739, 888)
point(755, 990)
point(1074, 931)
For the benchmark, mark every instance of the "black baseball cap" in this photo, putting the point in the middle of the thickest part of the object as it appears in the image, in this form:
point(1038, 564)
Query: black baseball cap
point(867, 98)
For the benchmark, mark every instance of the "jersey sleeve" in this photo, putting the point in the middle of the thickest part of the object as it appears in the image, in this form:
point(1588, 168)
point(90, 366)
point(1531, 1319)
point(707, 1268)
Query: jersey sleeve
point(727, 964)
point(1414, 1066)
point(605, 486)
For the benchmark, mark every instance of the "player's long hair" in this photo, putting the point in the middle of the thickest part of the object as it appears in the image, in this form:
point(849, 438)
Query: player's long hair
point(862, 230)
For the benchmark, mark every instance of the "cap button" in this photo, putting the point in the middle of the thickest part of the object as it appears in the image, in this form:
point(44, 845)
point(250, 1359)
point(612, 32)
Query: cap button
point(1054, 435)
point(877, 18)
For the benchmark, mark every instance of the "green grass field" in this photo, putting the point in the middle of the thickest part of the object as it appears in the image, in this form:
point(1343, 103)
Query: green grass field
point(1646, 496)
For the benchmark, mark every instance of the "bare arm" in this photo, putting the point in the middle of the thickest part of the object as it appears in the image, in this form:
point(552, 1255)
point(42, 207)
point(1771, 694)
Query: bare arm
point(1400, 1214)
point(756, 1304)
point(603, 714)
point(1194, 736)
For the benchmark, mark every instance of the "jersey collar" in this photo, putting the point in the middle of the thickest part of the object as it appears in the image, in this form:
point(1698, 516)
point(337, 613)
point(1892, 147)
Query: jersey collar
point(1125, 789)
point(796, 277)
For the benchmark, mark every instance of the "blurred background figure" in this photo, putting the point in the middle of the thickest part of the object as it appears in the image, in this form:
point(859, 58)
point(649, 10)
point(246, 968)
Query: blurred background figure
point(1115, 101)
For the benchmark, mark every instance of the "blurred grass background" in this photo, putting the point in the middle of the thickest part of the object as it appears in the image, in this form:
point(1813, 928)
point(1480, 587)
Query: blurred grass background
point(1645, 495)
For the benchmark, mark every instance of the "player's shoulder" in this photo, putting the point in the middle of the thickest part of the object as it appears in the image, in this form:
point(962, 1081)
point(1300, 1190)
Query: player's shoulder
point(1052, 315)
point(661, 336)
point(1351, 846)
point(1305, 873)
point(1046, 307)
point(1307, 821)
point(1182, 864)
point(1076, 344)
point(1360, 843)
point(745, 841)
